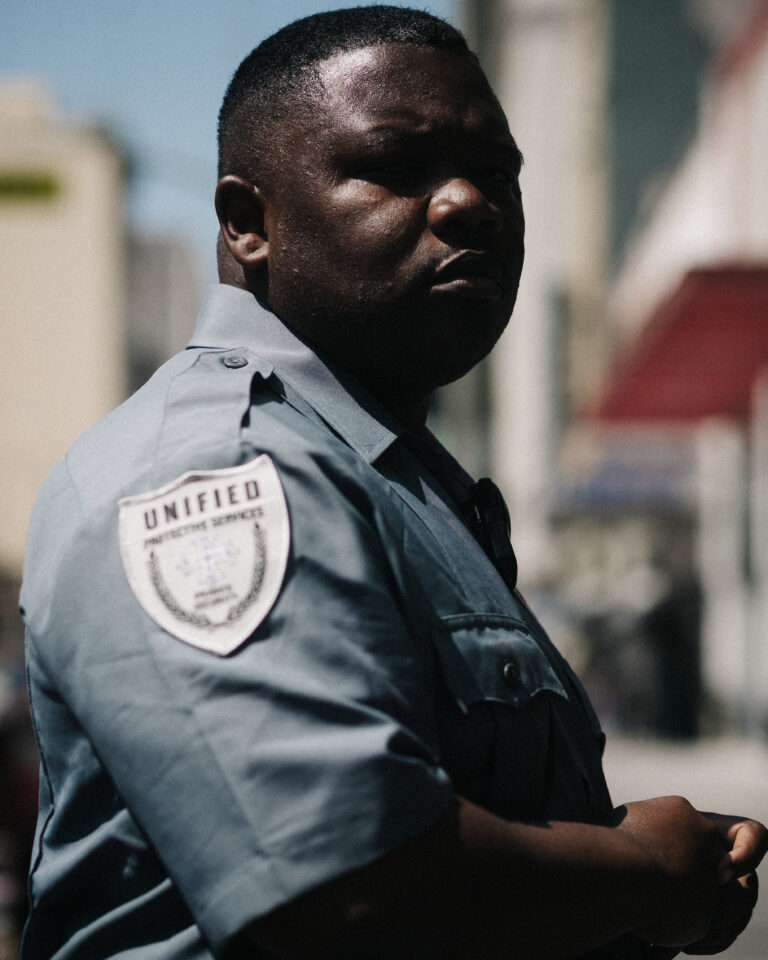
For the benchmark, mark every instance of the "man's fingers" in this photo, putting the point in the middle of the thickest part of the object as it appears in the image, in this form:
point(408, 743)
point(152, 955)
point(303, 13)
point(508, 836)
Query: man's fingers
point(735, 901)
point(734, 909)
point(747, 842)
point(719, 942)
point(750, 843)
point(662, 953)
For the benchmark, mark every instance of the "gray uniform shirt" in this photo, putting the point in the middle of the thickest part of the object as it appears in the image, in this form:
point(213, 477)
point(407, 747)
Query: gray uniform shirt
point(185, 791)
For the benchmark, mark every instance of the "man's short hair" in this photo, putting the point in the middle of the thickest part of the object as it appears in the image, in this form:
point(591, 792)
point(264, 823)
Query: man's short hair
point(278, 77)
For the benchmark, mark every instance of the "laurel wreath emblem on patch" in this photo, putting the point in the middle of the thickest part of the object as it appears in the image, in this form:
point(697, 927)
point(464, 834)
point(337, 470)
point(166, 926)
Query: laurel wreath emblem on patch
point(163, 591)
point(205, 555)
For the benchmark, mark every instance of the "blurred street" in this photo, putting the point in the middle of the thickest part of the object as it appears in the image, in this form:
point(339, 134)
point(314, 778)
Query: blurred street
point(726, 775)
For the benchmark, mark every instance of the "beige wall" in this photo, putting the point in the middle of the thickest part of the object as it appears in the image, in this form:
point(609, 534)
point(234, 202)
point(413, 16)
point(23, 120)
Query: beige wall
point(61, 298)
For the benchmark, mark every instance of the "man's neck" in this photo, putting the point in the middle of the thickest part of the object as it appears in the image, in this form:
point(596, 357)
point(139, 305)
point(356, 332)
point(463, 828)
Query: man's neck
point(410, 411)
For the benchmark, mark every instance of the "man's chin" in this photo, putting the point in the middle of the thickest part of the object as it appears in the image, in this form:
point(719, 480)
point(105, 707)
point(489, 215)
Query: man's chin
point(428, 373)
point(453, 356)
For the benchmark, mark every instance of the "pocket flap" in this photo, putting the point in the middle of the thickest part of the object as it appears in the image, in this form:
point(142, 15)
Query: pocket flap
point(494, 658)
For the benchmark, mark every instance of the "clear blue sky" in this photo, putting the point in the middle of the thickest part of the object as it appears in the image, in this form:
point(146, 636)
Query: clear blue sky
point(154, 72)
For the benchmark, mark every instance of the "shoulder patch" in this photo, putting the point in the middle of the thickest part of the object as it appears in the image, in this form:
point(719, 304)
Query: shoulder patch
point(206, 554)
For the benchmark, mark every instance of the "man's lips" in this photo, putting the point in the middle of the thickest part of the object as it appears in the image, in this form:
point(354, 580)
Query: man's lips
point(470, 274)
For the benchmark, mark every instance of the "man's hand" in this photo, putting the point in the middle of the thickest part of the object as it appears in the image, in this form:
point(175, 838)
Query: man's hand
point(686, 850)
point(747, 844)
point(736, 901)
point(474, 885)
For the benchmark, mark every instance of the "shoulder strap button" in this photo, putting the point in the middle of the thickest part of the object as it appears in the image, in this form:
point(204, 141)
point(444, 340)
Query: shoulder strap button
point(235, 363)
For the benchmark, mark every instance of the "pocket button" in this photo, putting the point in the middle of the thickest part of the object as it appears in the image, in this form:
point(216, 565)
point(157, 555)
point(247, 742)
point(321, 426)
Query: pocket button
point(510, 674)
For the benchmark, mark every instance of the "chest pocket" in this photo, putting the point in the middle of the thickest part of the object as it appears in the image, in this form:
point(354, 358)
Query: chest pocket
point(495, 712)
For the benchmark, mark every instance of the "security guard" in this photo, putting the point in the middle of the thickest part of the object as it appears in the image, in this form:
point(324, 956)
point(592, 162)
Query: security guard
point(288, 700)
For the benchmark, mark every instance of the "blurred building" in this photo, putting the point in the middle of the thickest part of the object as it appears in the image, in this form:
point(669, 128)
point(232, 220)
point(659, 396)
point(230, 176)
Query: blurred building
point(164, 294)
point(625, 400)
point(62, 277)
point(89, 308)
point(690, 305)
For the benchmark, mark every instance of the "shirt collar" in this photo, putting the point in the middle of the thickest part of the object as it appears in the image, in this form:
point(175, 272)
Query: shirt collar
point(231, 317)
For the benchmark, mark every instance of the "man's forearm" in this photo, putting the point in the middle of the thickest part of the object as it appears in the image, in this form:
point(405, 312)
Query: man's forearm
point(476, 887)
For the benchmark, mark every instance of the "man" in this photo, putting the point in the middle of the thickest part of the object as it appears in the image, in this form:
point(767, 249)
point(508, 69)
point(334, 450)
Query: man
point(288, 701)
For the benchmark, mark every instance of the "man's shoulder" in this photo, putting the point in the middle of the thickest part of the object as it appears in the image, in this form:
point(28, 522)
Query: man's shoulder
point(191, 460)
point(188, 416)
point(204, 410)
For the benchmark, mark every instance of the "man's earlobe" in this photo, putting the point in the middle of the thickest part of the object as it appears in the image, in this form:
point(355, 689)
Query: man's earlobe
point(240, 209)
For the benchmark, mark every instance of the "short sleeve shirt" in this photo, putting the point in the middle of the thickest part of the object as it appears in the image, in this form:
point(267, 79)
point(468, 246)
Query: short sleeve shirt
point(188, 788)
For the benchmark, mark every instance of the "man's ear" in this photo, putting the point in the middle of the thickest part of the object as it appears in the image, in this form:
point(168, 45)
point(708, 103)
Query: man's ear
point(240, 209)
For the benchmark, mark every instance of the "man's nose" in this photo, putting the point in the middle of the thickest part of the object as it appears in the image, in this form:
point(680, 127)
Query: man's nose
point(460, 204)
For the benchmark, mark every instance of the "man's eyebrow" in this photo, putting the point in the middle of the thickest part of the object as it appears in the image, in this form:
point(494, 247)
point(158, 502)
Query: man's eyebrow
point(389, 133)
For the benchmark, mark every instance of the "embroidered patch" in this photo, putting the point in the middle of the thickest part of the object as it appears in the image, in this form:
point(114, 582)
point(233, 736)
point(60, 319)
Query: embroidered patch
point(206, 554)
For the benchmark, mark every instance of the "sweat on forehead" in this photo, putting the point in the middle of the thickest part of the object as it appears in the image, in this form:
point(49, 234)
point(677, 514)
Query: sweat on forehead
point(279, 76)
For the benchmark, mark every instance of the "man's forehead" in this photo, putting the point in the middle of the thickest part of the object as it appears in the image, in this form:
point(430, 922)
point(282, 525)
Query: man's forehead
point(374, 78)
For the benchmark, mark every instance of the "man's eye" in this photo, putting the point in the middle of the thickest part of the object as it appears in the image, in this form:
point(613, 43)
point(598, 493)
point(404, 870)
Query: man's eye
point(502, 177)
point(394, 172)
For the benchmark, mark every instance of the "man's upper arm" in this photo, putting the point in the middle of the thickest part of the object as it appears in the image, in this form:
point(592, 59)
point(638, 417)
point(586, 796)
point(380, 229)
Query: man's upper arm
point(307, 752)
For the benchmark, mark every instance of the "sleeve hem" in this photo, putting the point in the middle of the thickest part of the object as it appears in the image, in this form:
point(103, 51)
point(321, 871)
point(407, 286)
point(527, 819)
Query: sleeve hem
point(265, 883)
